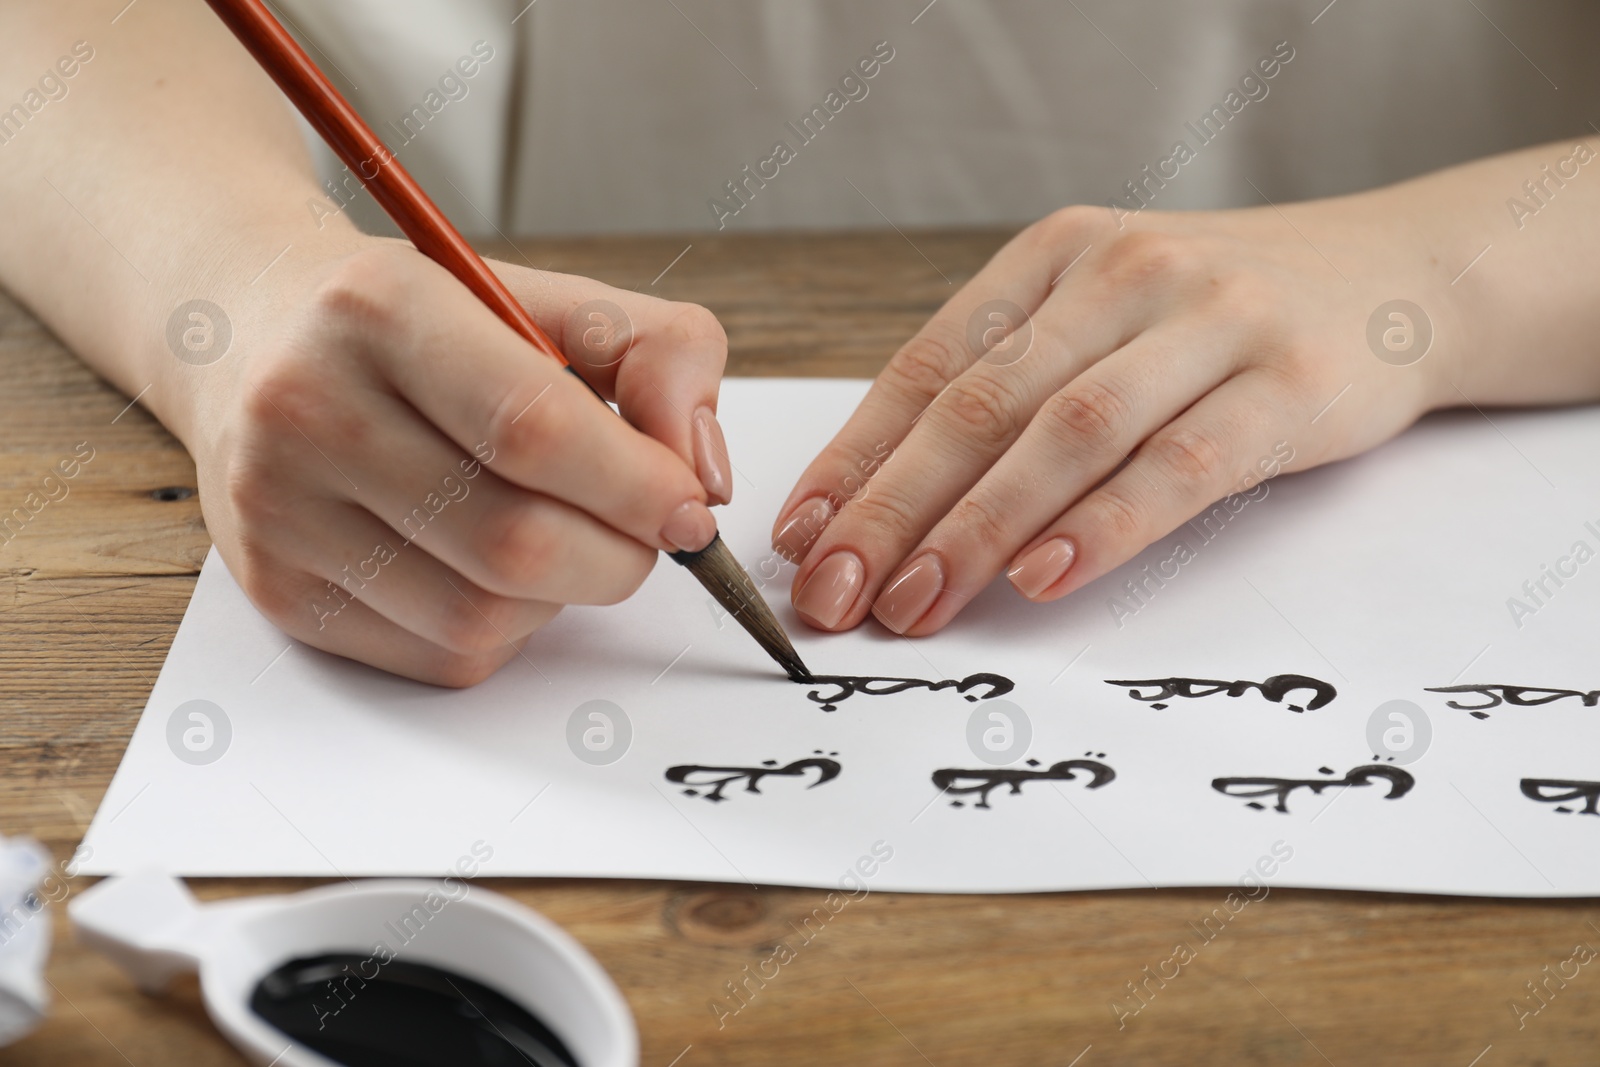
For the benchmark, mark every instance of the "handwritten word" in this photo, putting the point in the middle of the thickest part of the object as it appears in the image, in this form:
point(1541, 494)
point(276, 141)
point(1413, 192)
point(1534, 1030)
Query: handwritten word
point(1544, 190)
point(52, 85)
point(1142, 991)
point(1563, 789)
point(405, 928)
point(719, 778)
point(1526, 696)
point(1274, 689)
point(849, 685)
point(852, 887)
point(1582, 953)
point(55, 489)
point(988, 779)
point(851, 88)
point(1400, 783)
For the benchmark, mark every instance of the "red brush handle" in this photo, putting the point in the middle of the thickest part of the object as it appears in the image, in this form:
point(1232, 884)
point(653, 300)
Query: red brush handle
point(371, 161)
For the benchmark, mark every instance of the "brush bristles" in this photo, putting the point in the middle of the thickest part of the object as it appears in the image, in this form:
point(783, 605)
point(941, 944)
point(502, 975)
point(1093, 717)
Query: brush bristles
point(726, 580)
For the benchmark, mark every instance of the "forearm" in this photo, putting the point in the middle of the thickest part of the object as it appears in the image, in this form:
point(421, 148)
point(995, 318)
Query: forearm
point(1517, 272)
point(169, 170)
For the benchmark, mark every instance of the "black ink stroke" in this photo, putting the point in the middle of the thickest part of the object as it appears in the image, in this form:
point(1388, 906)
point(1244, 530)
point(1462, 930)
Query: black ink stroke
point(987, 779)
point(849, 685)
point(709, 782)
point(1274, 689)
point(1522, 696)
point(1400, 783)
point(1565, 789)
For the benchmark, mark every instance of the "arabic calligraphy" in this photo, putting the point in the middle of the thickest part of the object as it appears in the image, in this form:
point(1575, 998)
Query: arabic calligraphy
point(1275, 689)
point(1559, 790)
point(1523, 696)
point(1400, 783)
point(710, 782)
point(986, 780)
point(847, 686)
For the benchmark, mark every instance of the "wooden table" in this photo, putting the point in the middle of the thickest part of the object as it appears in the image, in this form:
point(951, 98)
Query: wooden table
point(96, 584)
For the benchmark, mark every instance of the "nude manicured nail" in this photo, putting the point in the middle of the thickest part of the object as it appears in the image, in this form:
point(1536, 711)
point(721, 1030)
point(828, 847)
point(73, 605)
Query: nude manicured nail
point(803, 527)
point(711, 457)
point(909, 596)
point(828, 593)
point(690, 528)
point(1043, 567)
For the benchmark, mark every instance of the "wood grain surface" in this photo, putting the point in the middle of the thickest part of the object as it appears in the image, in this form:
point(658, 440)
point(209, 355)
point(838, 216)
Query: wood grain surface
point(96, 583)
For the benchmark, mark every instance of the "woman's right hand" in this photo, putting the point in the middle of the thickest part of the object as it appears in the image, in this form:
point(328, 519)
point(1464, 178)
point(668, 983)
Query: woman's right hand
point(393, 475)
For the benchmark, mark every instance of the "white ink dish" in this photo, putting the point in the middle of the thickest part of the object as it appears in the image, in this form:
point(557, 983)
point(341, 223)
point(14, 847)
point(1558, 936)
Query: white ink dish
point(152, 927)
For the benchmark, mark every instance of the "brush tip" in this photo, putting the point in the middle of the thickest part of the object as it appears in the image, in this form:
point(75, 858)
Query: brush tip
point(727, 581)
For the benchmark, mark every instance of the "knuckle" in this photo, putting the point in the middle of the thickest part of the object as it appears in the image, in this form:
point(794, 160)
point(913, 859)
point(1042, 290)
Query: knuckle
point(530, 426)
point(1249, 305)
point(254, 495)
point(884, 512)
point(287, 388)
point(517, 550)
point(1089, 412)
point(696, 325)
point(275, 591)
point(1188, 456)
point(1237, 294)
point(1115, 514)
point(1066, 225)
point(984, 522)
point(925, 365)
point(1295, 380)
point(293, 389)
point(981, 410)
point(470, 628)
point(1146, 256)
point(365, 292)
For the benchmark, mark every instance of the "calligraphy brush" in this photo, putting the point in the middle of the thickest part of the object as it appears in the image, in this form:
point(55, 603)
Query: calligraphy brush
point(422, 221)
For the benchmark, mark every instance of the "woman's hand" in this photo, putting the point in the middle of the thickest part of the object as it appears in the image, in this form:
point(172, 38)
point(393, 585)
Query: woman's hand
point(393, 475)
point(1101, 381)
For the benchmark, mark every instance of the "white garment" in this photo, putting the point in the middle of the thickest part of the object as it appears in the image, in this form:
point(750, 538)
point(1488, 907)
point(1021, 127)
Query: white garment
point(633, 115)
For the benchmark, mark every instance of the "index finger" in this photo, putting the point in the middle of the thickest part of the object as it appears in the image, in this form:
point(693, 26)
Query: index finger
point(981, 316)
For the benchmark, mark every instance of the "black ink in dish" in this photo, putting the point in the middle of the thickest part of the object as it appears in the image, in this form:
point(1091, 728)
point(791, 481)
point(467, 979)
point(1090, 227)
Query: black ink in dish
point(402, 1015)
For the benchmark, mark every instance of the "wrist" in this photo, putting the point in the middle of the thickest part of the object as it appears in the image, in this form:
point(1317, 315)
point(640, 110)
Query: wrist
point(224, 307)
point(1432, 323)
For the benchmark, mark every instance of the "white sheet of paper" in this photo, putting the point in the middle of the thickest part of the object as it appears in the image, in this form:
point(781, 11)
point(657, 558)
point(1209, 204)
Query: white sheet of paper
point(1381, 576)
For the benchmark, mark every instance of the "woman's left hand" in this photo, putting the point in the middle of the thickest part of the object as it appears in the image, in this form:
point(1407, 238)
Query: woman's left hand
point(1105, 378)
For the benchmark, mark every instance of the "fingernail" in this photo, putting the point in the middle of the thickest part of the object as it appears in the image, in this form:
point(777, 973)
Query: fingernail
point(690, 528)
point(831, 589)
point(711, 457)
point(909, 596)
point(803, 526)
point(1043, 567)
